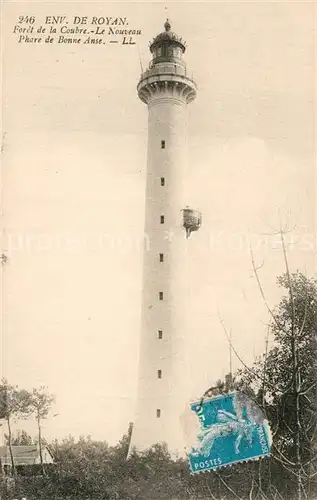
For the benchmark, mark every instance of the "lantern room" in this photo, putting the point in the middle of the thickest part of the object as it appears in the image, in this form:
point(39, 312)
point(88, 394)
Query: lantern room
point(167, 47)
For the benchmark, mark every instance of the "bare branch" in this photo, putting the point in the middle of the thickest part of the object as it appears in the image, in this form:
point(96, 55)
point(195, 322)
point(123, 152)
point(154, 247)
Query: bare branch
point(251, 490)
point(209, 491)
point(311, 406)
point(296, 371)
point(276, 490)
point(303, 490)
point(265, 362)
point(283, 456)
point(290, 284)
point(228, 487)
point(239, 358)
point(301, 330)
point(255, 269)
point(285, 467)
point(302, 393)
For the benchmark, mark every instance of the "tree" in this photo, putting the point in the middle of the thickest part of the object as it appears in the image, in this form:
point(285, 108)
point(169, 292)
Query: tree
point(84, 469)
point(14, 404)
point(41, 403)
point(284, 382)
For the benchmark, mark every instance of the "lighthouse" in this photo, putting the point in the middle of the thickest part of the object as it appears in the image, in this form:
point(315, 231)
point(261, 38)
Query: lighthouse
point(166, 88)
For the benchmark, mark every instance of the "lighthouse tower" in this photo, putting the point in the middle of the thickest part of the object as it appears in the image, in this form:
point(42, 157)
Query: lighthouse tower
point(166, 89)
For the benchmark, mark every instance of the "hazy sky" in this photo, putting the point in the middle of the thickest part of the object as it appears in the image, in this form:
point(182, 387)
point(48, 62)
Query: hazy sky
point(73, 182)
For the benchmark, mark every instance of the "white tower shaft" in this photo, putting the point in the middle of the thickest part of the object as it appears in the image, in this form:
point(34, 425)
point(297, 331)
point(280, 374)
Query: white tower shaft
point(162, 364)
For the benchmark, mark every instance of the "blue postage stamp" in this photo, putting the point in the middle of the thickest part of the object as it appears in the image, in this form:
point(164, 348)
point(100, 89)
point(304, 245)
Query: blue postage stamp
point(232, 429)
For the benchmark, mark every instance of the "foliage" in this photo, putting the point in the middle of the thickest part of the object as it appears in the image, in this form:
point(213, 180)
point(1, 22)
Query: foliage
point(284, 383)
point(40, 404)
point(14, 404)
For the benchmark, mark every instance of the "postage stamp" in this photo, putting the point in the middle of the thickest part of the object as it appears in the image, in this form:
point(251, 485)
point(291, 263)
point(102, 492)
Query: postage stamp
point(232, 429)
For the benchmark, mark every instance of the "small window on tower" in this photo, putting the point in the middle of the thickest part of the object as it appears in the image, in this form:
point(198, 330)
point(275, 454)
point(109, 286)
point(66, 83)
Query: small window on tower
point(163, 144)
point(160, 334)
point(162, 219)
point(161, 257)
point(161, 295)
point(158, 413)
point(162, 181)
point(159, 373)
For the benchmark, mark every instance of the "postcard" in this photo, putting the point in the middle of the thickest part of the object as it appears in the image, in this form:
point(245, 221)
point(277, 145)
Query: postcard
point(158, 250)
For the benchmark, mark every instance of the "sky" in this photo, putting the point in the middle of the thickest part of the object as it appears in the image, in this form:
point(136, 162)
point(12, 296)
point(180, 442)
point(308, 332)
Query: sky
point(73, 184)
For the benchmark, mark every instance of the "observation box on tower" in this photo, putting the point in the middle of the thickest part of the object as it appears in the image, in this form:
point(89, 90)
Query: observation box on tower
point(191, 220)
